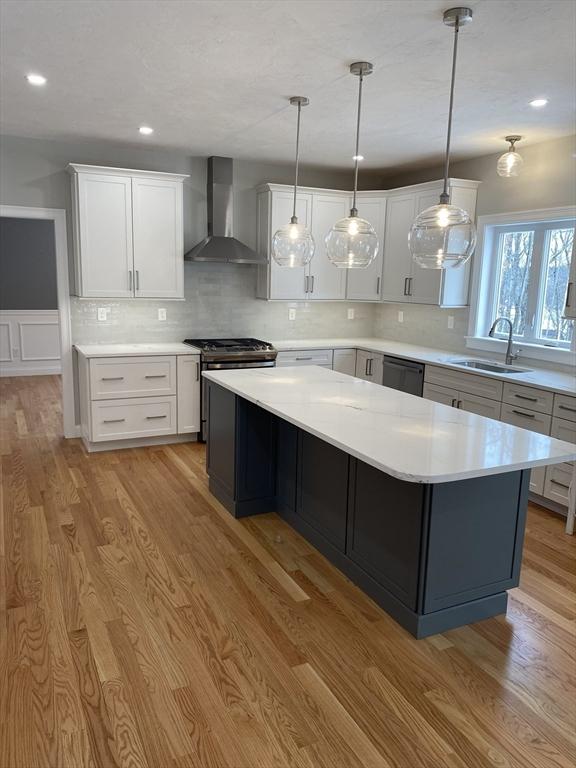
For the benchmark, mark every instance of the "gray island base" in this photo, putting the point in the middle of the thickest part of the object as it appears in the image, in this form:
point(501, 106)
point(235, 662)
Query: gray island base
point(433, 556)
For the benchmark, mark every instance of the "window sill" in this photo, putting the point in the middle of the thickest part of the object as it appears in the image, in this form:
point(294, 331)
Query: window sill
point(557, 355)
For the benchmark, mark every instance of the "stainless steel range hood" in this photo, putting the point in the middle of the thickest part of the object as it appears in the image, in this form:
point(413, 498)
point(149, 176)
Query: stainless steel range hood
point(220, 245)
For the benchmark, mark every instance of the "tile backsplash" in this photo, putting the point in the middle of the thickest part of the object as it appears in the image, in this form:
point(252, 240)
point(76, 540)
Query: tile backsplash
point(423, 324)
point(220, 301)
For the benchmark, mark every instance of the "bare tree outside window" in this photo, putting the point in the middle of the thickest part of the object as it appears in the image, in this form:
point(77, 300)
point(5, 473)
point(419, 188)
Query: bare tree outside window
point(559, 251)
point(515, 263)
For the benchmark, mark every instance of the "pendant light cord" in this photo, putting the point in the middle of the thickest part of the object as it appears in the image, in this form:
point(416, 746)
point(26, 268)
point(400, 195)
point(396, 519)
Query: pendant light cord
point(294, 217)
point(444, 197)
point(354, 211)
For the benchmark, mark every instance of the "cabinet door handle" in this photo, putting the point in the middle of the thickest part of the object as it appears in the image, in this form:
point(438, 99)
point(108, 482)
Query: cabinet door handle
point(569, 295)
point(137, 273)
point(312, 284)
point(197, 371)
point(378, 286)
point(156, 376)
point(459, 404)
point(112, 421)
point(524, 397)
point(406, 286)
point(112, 378)
point(522, 413)
point(156, 417)
point(306, 284)
point(454, 402)
point(366, 367)
point(409, 286)
point(562, 485)
point(130, 281)
point(567, 408)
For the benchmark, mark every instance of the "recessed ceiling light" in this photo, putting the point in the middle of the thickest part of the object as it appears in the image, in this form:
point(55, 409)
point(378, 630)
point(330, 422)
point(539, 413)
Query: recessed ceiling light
point(36, 79)
point(357, 157)
point(538, 102)
point(145, 130)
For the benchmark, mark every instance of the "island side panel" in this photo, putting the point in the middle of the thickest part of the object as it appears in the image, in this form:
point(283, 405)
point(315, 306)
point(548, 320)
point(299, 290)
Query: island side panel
point(476, 530)
point(241, 453)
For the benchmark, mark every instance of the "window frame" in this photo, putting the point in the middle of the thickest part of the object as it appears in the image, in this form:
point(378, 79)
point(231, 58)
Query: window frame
point(485, 279)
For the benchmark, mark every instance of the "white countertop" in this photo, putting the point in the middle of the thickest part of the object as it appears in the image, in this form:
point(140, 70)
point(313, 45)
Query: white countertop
point(405, 436)
point(538, 377)
point(129, 350)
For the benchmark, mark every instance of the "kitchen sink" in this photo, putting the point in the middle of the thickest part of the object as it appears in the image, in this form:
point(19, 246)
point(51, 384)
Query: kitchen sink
point(489, 365)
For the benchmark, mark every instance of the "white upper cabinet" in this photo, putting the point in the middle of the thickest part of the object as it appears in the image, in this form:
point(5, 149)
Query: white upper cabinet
point(325, 280)
point(103, 224)
point(393, 276)
point(128, 233)
point(274, 211)
point(402, 279)
point(366, 284)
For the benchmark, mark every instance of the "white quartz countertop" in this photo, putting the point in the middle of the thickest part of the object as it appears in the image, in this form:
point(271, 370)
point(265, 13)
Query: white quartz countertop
point(129, 350)
point(403, 435)
point(538, 377)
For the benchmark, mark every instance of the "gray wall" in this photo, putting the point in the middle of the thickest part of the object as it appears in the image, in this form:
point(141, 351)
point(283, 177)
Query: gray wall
point(220, 299)
point(27, 264)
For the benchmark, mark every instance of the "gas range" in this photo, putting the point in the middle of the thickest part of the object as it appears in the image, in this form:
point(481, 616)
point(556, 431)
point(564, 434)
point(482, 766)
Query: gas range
point(234, 350)
point(224, 354)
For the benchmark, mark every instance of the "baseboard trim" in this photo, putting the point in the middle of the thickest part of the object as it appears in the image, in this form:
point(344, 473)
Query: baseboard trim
point(19, 372)
point(551, 506)
point(141, 442)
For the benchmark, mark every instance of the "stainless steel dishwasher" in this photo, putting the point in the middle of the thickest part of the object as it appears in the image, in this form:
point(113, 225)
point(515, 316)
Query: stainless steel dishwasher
point(405, 375)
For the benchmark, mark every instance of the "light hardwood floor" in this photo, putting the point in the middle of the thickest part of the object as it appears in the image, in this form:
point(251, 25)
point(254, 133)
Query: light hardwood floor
point(141, 625)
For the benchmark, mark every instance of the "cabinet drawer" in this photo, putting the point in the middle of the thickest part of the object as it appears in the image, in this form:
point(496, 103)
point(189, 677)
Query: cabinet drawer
point(564, 430)
point(557, 483)
point(565, 407)
point(136, 417)
point(524, 417)
point(305, 357)
point(440, 394)
point(115, 377)
point(482, 406)
point(464, 382)
point(528, 397)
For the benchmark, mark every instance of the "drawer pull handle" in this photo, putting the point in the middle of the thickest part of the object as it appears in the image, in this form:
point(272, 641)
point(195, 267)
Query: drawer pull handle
point(197, 371)
point(304, 358)
point(155, 376)
point(567, 408)
point(525, 397)
point(562, 485)
point(521, 413)
point(156, 417)
point(112, 378)
point(112, 421)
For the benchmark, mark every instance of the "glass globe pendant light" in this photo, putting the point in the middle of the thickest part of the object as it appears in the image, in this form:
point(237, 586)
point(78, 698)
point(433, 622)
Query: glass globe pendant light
point(443, 236)
point(293, 244)
point(352, 242)
point(510, 163)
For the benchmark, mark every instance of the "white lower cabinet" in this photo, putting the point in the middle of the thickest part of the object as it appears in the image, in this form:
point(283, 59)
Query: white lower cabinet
point(188, 389)
point(321, 357)
point(132, 418)
point(345, 361)
point(370, 366)
point(462, 400)
point(135, 397)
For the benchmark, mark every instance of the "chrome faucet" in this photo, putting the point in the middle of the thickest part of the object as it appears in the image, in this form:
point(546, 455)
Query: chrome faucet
point(510, 355)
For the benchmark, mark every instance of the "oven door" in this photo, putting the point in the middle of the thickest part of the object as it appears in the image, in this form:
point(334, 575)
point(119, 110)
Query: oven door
point(224, 365)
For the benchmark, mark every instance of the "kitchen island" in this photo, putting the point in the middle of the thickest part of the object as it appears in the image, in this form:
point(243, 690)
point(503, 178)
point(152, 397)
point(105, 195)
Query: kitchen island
point(421, 505)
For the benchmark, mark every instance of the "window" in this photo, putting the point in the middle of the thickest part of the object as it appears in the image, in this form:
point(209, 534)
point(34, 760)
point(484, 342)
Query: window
point(524, 277)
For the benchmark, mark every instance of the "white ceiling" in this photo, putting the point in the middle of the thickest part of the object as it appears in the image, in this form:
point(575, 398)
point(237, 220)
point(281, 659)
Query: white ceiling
point(214, 77)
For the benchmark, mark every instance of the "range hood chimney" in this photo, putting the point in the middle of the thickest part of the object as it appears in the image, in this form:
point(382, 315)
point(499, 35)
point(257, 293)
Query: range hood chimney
point(220, 245)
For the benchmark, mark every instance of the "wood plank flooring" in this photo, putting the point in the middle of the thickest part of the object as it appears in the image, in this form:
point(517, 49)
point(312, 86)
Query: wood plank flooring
point(142, 626)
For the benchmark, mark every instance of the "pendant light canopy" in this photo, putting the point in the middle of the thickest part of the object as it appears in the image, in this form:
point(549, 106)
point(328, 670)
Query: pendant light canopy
point(510, 163)
point(293, 244)
point(352, 242)
point(444, 235)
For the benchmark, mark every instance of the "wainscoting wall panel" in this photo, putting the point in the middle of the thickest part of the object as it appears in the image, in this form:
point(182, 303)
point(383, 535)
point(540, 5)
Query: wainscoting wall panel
point(29, 342)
